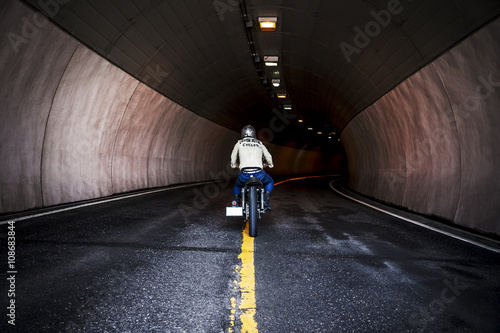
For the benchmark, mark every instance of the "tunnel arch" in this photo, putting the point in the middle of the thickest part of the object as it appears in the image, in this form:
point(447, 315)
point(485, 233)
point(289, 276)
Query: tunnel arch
point(77, 127)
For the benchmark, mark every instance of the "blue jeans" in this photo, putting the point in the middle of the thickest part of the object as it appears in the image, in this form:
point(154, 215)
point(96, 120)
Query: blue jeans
point(266, 180)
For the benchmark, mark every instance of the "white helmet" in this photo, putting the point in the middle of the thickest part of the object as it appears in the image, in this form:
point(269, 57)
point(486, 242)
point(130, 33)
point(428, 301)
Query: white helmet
point(248, 132)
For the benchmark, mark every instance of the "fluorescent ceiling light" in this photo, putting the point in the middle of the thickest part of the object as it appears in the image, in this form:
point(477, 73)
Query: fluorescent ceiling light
point(281, 95)
point(271, 61)
point(276, 82)
point(287, 107)
point(268, 23)
point(271, 58)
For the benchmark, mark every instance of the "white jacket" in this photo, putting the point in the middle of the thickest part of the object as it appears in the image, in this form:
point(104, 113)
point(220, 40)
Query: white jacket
point(250, 152)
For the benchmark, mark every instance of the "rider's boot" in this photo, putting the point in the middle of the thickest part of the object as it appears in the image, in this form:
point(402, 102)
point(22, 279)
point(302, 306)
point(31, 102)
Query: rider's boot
point(267, 196)
point(236, 200)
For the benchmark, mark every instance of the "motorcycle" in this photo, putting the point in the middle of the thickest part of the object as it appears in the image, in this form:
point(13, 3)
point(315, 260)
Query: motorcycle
point(252, 203)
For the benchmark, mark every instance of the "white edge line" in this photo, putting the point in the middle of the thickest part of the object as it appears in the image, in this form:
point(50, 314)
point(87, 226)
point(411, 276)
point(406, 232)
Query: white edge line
point(417, 223)
point(100, 202)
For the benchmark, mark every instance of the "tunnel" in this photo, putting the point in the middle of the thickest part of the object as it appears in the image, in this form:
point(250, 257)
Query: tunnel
point(105, 98)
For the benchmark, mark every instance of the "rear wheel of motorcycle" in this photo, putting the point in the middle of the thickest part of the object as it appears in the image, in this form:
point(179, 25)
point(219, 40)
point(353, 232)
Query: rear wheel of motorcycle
point(253, 216)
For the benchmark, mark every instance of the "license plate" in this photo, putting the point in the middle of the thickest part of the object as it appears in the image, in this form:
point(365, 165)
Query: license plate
point(234, 211)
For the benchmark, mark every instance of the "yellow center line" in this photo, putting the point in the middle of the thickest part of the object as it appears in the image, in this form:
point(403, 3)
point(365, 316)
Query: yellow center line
point(248, 304)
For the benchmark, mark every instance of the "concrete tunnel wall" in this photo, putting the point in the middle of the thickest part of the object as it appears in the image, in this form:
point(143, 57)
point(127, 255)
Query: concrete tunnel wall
point(75, 127)
point(431, 145)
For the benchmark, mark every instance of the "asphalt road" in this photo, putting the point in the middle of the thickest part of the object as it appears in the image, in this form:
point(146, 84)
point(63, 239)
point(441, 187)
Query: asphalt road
point(171, 262)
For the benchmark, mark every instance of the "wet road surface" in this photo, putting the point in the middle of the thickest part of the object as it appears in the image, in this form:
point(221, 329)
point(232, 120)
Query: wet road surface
point(171, 262)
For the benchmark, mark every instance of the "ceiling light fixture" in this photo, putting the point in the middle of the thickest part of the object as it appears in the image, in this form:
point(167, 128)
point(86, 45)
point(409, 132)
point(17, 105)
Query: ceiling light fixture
point(287, 107)
point(268, 23)
point(271, 60)
point(276, 82)
point(281, 95)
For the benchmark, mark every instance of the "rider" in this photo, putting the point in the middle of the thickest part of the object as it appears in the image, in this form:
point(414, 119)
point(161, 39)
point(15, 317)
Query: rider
point(251, 152)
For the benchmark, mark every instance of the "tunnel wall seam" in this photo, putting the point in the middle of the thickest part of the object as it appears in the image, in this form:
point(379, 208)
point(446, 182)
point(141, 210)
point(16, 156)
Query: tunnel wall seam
point(47, 122)
point(116, 138)
point(448, 98)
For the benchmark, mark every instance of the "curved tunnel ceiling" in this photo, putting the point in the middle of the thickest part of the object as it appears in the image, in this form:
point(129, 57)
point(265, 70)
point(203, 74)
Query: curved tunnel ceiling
point(335, 57)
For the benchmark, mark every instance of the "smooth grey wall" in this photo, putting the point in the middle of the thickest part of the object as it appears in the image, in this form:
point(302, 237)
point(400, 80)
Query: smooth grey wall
point(75, 127)
point(432, 144)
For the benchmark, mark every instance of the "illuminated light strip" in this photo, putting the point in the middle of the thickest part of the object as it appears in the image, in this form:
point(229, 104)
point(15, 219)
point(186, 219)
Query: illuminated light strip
point(287, 180)
point(268, 25)
point(417, 223)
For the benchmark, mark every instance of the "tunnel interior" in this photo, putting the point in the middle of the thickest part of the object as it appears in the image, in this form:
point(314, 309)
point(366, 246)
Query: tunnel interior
point(106, 97)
